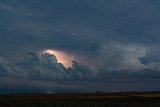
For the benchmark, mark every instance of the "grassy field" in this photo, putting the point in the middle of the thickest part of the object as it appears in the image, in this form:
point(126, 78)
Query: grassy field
point(125, 99)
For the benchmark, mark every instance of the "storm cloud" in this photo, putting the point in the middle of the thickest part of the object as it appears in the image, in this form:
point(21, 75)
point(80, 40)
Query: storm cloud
point(43, 74)
point(109, 40)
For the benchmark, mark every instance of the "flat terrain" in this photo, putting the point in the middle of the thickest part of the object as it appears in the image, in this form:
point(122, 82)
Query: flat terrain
point(124, 99)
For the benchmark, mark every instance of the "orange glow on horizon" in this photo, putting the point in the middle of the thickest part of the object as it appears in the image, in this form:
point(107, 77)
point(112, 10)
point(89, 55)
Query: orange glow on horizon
point(62, 57)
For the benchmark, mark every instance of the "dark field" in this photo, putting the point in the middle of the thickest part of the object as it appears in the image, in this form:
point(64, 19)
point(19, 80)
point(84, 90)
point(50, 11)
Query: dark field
point(125, 99)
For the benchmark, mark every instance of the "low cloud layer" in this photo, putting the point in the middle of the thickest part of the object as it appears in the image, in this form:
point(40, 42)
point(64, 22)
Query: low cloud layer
point(42, 73)
point(46, 67)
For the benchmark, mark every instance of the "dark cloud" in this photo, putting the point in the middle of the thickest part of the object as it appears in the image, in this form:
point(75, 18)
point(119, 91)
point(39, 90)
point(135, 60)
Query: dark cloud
point(46, 67)
point(45, 74)
point(84, 28)
point(106, 38)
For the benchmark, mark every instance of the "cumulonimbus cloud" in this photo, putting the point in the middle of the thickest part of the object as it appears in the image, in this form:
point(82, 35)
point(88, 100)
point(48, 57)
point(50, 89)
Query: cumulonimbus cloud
point(42, 73)
point(46, 67)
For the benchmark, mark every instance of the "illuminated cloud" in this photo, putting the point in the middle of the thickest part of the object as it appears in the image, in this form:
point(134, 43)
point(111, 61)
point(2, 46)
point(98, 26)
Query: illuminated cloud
point(62, 57)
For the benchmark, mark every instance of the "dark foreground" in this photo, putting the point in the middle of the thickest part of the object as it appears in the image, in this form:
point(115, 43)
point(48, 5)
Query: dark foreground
point(134, 99)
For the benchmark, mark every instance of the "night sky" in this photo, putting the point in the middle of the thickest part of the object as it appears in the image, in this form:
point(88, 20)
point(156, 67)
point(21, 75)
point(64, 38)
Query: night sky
point(50, 46)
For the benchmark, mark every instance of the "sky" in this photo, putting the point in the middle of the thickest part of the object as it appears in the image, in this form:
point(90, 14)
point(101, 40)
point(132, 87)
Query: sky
point(52, 46)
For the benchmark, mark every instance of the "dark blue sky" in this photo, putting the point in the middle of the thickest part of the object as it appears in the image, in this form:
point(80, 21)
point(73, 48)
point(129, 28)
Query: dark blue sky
point(115, 45)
